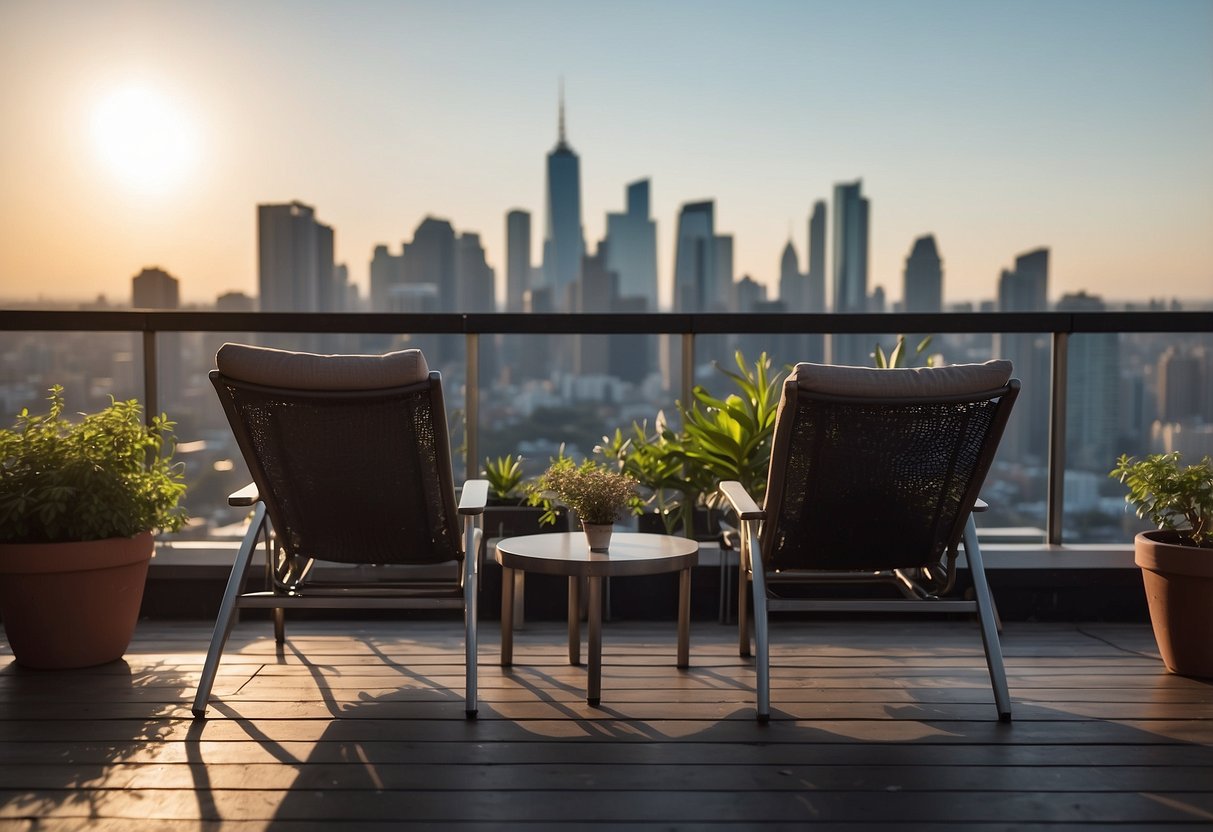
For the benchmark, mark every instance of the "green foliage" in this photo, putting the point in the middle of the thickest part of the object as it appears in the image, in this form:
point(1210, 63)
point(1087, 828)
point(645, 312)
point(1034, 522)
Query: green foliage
point(102, 477)
point(897, 357)
point(504, 475)
point(1175, 497)
point(720, 439)
point(730, 438)
point(656, 462)
point(597, 492)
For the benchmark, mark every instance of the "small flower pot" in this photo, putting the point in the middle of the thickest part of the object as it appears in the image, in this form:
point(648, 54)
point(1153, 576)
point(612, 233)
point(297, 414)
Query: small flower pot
point(71, 605)
point(598, 536)
point(1178, 581)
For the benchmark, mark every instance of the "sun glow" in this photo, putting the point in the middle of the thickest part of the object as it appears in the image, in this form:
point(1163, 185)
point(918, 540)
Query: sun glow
point(144, 139)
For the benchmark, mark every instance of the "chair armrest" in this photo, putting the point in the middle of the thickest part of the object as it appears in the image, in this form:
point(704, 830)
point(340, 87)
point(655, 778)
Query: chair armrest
point(474, 496)
point(980, 505)
point(247, 496)
point(741, 501)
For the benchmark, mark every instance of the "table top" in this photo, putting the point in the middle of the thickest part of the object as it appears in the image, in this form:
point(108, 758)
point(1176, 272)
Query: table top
point(568, 553)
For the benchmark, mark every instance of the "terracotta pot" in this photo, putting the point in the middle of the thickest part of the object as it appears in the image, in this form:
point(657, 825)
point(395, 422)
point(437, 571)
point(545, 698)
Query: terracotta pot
point(72, 604)
point(598, 536)
point(1179, 588)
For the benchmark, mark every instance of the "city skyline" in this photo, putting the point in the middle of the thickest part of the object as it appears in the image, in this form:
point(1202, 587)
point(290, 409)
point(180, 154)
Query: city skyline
point(1077, 127)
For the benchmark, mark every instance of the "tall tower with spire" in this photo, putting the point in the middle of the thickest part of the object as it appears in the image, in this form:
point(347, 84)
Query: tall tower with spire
point(564, 240)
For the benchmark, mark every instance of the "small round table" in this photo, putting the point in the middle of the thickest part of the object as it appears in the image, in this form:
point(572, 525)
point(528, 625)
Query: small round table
point(569, 554)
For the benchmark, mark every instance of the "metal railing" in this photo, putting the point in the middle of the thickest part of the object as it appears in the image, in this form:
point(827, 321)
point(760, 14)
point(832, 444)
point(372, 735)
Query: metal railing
point(1059, 325)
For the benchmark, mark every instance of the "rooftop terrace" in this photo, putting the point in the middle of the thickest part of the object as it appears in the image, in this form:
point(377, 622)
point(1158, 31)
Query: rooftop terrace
point(361, 726)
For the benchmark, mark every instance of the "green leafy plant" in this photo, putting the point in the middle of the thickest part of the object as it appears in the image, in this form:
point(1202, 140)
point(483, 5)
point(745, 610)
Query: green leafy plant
point(730, 438)
point(655, 461)
point(104, 476)
point(897, 356)
point(597, 492)
point(1173, 496)
point(505, 476)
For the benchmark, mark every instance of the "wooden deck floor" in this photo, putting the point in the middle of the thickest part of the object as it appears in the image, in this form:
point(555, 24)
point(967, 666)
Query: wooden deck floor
point(352, 726)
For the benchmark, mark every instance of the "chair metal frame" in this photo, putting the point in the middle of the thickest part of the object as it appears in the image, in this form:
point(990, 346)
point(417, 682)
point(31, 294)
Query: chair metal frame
point(762, 581)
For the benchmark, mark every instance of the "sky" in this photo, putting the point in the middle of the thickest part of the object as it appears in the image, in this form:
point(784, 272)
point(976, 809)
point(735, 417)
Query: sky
point(135, 134)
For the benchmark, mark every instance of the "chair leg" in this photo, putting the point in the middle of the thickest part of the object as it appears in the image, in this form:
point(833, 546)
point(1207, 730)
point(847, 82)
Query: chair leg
point(989, 628)
point(470, 618)
point(743, 613)
point(279, 625)
point(762, 658)
point(227, 611)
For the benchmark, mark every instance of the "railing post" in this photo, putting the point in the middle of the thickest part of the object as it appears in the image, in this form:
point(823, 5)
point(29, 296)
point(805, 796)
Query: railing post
point(471, 405)
point(688, 367)
point(1057, 438)
point(151, 396)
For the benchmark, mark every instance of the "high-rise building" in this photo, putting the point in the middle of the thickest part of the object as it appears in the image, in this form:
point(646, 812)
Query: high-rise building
point(295, 258)
point(473, 276)
point(1026, 289)
point(631, 251)
point(851, 226)
point(791, 281)
point(387, 272)
point(695, 258)
point(923, 287)
point(749, 294)
point(517, 259)
point(430, 258)
point(720, 291)
point(850, 291)
point(1181, 379)
point(815, 257)
point(1092, 391)
point(564, 240)
point(154, 288)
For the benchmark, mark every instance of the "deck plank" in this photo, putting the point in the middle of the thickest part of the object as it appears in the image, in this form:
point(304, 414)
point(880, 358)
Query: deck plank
point(361, 723)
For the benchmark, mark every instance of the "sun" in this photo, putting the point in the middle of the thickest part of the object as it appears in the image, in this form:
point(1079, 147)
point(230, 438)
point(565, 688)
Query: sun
point(144, 139)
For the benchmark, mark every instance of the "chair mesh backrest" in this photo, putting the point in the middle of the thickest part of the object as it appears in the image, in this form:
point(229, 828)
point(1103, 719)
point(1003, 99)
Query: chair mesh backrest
point(350, 476)
point(865, 483)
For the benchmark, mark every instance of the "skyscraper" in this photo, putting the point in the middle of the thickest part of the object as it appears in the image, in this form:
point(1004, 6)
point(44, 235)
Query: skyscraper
point(851, 220)
point(473, 276)
point(430, 258)
point(295, 258)
point(387, 272)
point(815, 278)
point(564, 240)
point(517, 259)
point(719, 293)
point(923, 287)
point(1026, 289)
point(154, 288)
point(1092, 391)
point(791, 281)
point(631, 251)
point(813, 343)
point(1181, 378)
point(695, 258)
point(851, 226)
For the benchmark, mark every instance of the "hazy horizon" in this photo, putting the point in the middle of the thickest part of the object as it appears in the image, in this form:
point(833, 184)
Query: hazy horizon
point(1079, 126)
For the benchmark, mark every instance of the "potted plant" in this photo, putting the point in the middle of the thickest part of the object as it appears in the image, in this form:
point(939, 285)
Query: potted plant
point(596, 492)
point(79, 503)
point(1176, 559)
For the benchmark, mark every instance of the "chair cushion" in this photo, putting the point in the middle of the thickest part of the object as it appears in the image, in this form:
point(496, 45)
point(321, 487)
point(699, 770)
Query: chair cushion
point(308, 371)
point(869, 382)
